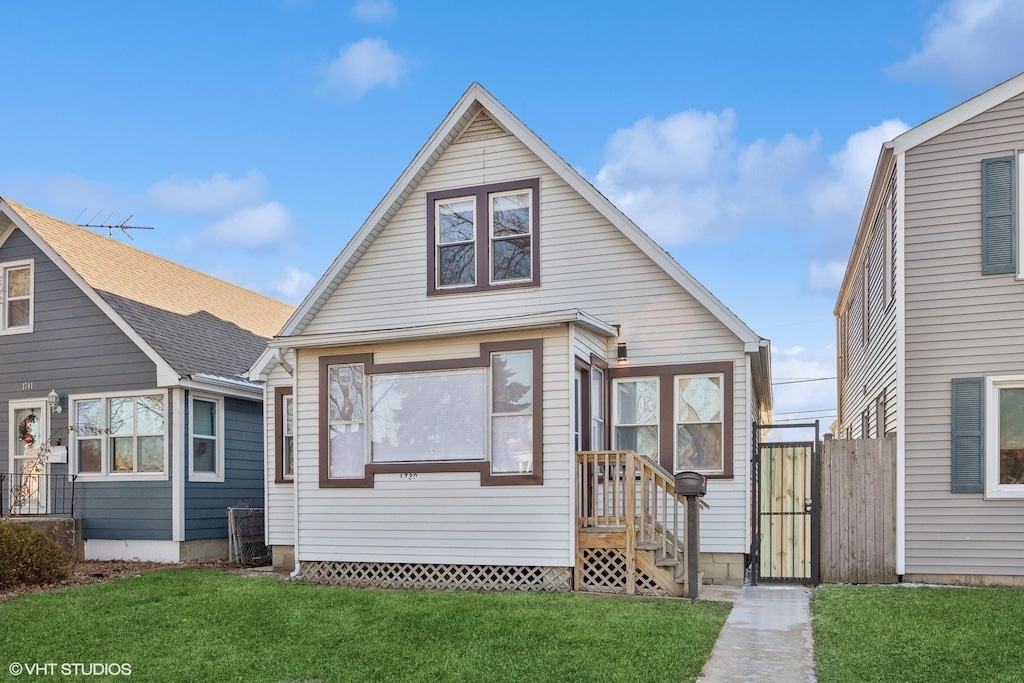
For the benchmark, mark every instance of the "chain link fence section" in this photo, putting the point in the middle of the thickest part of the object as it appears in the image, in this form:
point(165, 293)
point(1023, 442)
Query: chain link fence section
point(246, 543)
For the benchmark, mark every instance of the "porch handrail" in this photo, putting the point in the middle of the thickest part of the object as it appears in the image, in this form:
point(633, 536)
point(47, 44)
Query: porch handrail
point(30, 494)
point(620, 490)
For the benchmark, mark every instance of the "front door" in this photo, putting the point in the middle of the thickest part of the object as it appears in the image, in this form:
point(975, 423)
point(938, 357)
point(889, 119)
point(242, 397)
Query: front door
point(26, 492)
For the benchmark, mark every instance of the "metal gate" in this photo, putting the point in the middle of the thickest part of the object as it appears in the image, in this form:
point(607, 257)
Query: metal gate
point(785, 508)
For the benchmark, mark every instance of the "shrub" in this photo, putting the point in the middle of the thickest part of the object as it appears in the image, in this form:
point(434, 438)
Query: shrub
point(28, 556)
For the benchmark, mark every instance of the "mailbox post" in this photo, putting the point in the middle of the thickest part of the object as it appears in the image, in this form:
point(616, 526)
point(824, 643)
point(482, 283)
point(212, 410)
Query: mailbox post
point(694, 486)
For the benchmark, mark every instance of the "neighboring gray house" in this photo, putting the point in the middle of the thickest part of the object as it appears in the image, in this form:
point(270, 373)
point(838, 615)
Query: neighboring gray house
point(930, 343)
point(129, 367)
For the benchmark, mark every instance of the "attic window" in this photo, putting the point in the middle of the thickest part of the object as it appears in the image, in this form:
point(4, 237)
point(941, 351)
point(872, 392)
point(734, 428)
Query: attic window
point(16, 297)
point(483, 238)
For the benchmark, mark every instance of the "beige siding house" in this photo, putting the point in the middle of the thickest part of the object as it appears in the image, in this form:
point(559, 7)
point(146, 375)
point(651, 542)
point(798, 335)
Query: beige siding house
point(930, 343)
point(494, 316)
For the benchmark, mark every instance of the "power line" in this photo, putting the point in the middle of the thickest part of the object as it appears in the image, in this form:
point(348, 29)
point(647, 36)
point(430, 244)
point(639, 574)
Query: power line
point(798, 380)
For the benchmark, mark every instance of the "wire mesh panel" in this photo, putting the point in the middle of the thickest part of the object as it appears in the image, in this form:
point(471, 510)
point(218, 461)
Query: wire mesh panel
point(246, 539)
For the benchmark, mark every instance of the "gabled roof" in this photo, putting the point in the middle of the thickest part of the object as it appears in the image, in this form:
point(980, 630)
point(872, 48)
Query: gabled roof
point(959, 114)
point(468, 106)
point(190, 324)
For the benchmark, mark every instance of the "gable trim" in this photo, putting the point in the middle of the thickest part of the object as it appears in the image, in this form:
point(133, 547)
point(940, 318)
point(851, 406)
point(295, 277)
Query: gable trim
point(456, 120)
point(959, 114)
point(165, 375)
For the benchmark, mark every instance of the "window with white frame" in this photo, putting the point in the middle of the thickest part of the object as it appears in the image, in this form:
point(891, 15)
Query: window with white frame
point(120, 435)
point(597, 409)
point(483, 237)
point(206, 455)
point(699, 411)
point(16, 297)
point(1004, 442)
point(477, 414)
point(288, 437)
point(635, 408)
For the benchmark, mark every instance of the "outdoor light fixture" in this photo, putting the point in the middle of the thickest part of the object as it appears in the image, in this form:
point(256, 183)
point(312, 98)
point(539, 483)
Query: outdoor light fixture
point(53, 400)
point(621, 353)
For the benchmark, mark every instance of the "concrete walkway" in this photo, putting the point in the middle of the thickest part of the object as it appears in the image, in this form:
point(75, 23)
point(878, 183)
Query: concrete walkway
point(766, 638)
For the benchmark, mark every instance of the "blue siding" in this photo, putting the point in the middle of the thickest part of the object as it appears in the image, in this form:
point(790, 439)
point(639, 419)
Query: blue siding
point(206, 503)
point(75, 349)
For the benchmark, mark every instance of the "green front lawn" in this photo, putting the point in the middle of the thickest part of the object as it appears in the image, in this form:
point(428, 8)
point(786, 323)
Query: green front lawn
point(203, 625)
point(903, 633)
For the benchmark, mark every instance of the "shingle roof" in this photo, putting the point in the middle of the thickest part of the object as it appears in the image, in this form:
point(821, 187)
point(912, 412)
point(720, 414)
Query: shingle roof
point(195, 322)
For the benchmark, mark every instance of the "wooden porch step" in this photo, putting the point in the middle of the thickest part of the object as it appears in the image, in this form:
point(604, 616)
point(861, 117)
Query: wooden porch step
point(664, 561)
point(648, 546)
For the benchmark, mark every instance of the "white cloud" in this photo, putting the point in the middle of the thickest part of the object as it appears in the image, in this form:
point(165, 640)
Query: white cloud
point(217, 195)
point(362, 66)
point(826, 276)
point(374, 10)
point(292, 284)
point(254, 227)
point(969, 44)
point(689, 178)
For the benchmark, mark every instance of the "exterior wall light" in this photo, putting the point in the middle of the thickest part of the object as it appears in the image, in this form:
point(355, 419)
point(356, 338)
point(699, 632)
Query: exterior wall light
point(53, 400)
point(621, 353)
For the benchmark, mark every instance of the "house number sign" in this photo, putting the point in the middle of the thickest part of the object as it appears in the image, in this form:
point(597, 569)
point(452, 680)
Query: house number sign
point(408, 475)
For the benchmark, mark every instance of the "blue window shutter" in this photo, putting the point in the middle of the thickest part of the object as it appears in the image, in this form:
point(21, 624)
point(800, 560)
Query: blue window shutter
point(998, 209)
point(968, 434)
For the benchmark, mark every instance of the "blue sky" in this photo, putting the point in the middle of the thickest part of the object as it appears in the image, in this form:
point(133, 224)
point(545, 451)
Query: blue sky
point(257, 136)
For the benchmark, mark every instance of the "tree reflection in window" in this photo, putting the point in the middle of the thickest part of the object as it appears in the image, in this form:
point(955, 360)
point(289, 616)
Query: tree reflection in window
point(345, 412)
point(510, 237)
point(512, 412)
point(456, 248)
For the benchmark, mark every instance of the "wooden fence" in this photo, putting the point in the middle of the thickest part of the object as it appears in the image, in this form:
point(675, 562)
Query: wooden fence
point(858, 518)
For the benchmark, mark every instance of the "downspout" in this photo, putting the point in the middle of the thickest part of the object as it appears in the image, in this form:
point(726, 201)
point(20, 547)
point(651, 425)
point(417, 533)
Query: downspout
point(297, 572)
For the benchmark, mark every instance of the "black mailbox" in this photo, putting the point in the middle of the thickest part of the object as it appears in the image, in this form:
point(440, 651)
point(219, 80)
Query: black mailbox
point(691, 484)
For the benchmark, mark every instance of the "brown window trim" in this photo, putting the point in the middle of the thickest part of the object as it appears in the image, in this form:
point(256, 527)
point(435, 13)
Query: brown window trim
point(483, 236)
point(586, 414)
point(535, 478)
point(279, 394)
point(666, 420)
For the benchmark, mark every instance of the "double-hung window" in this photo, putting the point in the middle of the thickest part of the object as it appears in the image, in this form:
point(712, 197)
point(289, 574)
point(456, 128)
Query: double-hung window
point(207, 440)
point(484, 237)
point(284, 435)
point(16, 297)
point(475, 414)
point(677, 415)
point(122, 435)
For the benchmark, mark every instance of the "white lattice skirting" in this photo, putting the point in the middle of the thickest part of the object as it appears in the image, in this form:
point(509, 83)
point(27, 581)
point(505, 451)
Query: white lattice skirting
point(438, 576)
point(605, 570)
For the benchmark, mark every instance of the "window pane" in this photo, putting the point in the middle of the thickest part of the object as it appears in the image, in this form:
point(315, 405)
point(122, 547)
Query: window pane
point(456, 265)
point(347, 450)
point(204, 418)
point(699, 447)
point(289, 416)
point(150, 414)
point(637, 402)
point(512, 259)
point(512, 444)
point(512, 382)
point(455, 221)
point(88, 418)
point(17, 313)
point(122, 413)
point(288, 466)
point(204, 456)
point(597, 414)
point(511, 214)
point(89, 458)
point(428, 416)
point(642, 440)
point(700, 399)
point(1011, 436)
point(122, 454)
point(345, 384)
point(18, 282)
point(151, 453)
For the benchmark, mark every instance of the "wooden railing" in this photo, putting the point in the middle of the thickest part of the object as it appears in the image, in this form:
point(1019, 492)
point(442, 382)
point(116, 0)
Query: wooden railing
point(620, 490)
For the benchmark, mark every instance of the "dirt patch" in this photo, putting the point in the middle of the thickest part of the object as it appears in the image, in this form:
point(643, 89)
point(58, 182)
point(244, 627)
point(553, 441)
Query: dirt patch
point(87, 572)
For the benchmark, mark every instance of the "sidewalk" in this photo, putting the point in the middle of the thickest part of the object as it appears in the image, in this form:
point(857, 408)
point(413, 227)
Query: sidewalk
point(766, 638)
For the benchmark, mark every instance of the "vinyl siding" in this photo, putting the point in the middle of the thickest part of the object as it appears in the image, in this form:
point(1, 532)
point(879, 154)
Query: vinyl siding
point(959, 324)
point(441, 517)
point(75, 349)
point(586, 263)
point(206, 503)
point(280, 515)
point(871, 365)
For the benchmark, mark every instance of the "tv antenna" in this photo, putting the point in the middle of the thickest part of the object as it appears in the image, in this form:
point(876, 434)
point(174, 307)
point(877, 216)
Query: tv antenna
point(123, 226)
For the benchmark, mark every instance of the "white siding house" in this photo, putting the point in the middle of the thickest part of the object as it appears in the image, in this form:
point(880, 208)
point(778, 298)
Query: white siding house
point(496, 281)
point(939, 362)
